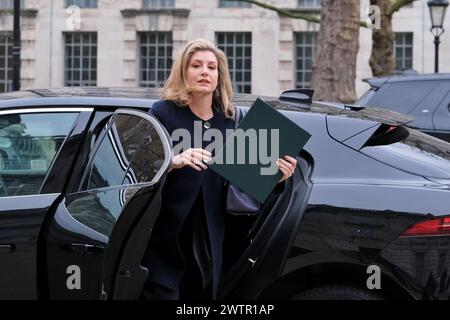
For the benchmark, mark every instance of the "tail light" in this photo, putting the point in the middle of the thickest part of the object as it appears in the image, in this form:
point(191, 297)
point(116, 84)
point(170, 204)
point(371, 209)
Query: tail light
point(434, 227)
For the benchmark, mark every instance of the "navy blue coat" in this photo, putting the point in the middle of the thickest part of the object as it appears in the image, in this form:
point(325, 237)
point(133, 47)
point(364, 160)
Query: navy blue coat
point(163, 256)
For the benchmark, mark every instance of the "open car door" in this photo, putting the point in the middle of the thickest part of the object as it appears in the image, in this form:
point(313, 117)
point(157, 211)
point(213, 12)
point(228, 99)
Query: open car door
point(98, 235)
point(262, 249)
point(256, 247)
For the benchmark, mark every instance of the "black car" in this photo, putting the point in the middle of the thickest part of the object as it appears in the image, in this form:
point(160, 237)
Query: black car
point(81, 174)
point(426, 97)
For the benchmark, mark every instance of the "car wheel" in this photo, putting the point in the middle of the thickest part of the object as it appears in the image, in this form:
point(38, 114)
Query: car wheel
point(337, 293)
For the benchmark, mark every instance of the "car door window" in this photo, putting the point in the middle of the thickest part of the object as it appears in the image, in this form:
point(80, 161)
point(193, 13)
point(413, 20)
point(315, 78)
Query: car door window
point(130, 153)
point(29, 143)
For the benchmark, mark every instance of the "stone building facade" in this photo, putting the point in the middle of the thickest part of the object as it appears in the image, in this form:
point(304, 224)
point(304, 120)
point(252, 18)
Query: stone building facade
point(132, 43)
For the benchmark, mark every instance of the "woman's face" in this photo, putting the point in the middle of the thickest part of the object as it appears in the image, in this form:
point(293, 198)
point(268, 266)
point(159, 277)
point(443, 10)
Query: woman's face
point(202, 72)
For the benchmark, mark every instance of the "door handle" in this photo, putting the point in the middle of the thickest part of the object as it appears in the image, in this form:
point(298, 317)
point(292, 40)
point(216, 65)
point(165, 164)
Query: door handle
point(85, 248)
point(7, 248)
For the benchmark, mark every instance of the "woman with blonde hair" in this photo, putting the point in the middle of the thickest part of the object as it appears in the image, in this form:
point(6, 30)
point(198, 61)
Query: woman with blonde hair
point(184, 255)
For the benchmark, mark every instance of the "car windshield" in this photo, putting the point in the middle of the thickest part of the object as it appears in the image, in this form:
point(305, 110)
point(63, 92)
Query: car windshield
point(401, 97)
point(418, 153)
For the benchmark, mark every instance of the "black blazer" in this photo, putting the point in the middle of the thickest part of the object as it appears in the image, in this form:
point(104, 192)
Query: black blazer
point(163, 256)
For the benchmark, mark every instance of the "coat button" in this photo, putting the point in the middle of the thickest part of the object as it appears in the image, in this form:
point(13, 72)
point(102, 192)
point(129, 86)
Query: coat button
point(207, 125)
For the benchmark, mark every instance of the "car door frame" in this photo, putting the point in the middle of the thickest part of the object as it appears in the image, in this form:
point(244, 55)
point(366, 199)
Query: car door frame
point(137, 224)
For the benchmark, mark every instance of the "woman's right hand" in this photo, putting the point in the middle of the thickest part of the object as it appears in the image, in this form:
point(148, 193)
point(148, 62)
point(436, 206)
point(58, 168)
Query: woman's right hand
point(192, 157)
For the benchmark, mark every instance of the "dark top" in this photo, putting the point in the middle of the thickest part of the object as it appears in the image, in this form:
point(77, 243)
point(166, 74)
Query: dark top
point(163, 257)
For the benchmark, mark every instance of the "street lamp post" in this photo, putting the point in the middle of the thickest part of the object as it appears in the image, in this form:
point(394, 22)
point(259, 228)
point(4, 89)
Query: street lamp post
point(16, 47)
point(437, 13)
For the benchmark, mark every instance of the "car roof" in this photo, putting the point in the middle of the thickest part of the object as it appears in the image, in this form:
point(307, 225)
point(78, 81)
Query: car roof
point(144, 97)
point(98, 96)
point(407, 76)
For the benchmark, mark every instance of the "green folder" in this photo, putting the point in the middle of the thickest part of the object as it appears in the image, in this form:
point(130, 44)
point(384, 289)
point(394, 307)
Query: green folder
point(247, 159)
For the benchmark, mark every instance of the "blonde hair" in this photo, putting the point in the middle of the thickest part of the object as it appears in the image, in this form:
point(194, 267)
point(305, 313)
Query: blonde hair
point(177, 89)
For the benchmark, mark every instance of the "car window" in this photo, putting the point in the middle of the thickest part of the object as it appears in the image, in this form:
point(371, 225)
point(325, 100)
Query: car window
point(401, 97)
point(131, 152)
point(417, 153)
point(28, 144)
point(365, 98)
point(441, 117)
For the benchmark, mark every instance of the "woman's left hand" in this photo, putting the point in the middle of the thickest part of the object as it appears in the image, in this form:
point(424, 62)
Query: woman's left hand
point(287, 167)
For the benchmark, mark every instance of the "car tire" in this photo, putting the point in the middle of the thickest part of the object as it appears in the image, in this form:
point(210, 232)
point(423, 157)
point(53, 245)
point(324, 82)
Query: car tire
point(337, 293)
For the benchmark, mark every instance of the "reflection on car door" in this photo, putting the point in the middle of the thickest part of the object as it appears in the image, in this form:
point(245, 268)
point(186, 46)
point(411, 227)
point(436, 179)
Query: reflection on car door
point(30, 140)
point(98, 234)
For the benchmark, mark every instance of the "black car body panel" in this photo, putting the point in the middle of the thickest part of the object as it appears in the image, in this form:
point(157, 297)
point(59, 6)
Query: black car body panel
point(345, 209)
point(20, 225)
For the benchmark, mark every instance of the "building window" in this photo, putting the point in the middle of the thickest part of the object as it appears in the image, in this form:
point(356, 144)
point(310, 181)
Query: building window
point(82, 3)
point(9, 4)
point(81, 59)
point(156, 4)
point(234, 4)
point(403, 50)
point(308, 3)
point(6, 62)
point(238, 49)
point(155, 58)
point(305, 45)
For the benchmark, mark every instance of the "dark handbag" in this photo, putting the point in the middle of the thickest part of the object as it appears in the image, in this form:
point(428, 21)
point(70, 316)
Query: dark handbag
point(238, 202)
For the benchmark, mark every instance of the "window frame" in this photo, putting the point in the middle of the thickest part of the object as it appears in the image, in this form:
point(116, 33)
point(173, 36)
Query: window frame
point(10, 5)
point(156, 4)
point(82, 4)
point(233, 58)
point(72, 70)
point(223, 4)
point(313, 47)
point(4, 79)
point(166, 46)
point(301, 4)
point(403, 46)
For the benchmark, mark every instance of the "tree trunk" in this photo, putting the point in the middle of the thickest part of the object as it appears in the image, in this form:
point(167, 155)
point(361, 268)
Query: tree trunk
point(382, 59)
point(334, 69)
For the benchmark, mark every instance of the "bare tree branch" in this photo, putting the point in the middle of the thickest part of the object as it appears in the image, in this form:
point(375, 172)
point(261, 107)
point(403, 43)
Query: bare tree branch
point(397, 4)
point(283, 12)
point(290, 13)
